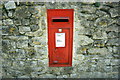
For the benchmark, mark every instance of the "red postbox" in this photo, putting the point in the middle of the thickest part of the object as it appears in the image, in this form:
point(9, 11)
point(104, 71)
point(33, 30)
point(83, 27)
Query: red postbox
point(60, 37)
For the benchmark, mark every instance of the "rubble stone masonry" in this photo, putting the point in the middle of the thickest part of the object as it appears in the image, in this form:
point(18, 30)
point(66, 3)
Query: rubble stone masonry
point(24, 53)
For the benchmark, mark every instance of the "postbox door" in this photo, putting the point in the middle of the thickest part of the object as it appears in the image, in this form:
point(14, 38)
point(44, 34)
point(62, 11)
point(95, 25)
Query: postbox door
point(59, 54)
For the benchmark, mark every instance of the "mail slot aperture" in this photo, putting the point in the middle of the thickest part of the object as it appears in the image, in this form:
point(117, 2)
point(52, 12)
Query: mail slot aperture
point(61, 19)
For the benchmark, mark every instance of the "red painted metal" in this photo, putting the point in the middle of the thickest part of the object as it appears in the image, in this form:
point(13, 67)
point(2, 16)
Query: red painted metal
point(60, 56)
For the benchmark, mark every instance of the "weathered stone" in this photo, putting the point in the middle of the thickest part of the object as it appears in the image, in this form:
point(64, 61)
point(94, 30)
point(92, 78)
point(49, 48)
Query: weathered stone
point(40, 52)
point(115, 62)
point(115, 49)
point(104, 7)
point(74, 76)
point(13, 30)
point(25, 21)
point(38, 33)
point(99, 45)
point(4, 15)
point(9, 30)
point(34, 27)
point(37, 16)
point(88, 16)
point(24, 76)
point(13, 45)
point(34, 74)
point(39, 3)
point(8, 22)
point(108, 69)
point(110, 49)
point(67, 70)
point(29, 34)
point(20, 11)
point(92, 2)
point(100, 65)
point(113, 27)
point(34, 21)
point(88, 9)
point(79, 57)
point(112, 4)
point(65, 76)
point(100, 13)
point(43, 62)
point(101, 22)
point(16, 37)
point(10, 14)
point(118, 20)
point(33, 10)
point(5, 46)
point(5, 30)
point(114, 41)
point(17, 21)
point(109, 56)
point(115, 69)
point(43, 23)
point(89, 24)
point(55, 71)
point(85, 31)
point(22, 44)
point(82, 50)
point(21, 52)
point(100, 35)
point(101, 51)
point(36, 40)
point(25, 54)
point(48, 76)
point(107, 61)
point(84, 75)
point(114, 12)
point(75, 63)
point(0, 22)
point(38, 68)
point(112, 35)
point(27, 3)
point(59, 76)
point(97, 75)
point(1, 13)
point(0, 32)
point(84, 40)
point(10, 5)
point(116, 56)
point(23, 29)
point(100, 41)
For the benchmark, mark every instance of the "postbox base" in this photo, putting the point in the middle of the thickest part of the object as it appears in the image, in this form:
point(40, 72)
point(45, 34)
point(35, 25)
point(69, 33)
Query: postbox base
point(57, 65)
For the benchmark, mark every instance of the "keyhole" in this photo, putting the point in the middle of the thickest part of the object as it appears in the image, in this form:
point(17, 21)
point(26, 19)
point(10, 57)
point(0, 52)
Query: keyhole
point(60, 30)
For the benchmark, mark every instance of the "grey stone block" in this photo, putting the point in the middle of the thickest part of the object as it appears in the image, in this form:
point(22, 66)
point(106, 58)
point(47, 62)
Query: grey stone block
point(8, 22)
point(101, 51)
point(100, 35)
point(25, 21)
point(10, 5)
point(114, 12)
point(23, 29)
point(17, 22)
point(84, 40)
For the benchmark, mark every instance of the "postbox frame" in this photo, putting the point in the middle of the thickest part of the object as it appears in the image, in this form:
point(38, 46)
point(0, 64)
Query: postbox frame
point(70, 28)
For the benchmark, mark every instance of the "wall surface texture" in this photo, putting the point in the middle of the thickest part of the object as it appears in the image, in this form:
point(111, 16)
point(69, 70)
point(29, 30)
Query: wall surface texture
point(23, 30)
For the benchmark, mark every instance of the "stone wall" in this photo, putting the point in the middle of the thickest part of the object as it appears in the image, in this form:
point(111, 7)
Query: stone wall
point(24, 40)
